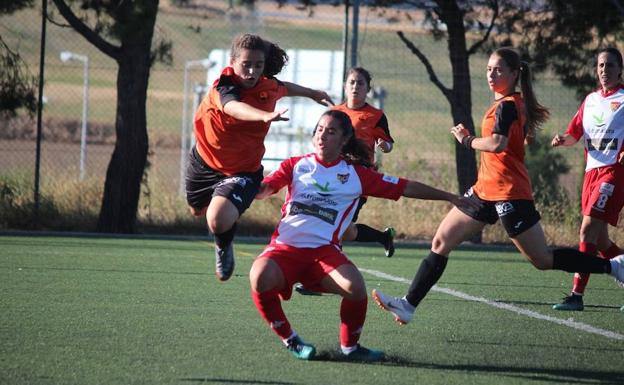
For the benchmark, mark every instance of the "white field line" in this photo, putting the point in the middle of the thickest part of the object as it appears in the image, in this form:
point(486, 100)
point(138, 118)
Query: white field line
point(504, 306)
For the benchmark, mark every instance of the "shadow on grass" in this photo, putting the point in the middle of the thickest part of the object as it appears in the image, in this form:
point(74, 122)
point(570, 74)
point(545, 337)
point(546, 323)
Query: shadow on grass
point(563, 375)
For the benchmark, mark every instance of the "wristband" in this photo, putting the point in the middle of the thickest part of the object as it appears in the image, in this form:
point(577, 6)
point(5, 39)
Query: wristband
point(467, 141)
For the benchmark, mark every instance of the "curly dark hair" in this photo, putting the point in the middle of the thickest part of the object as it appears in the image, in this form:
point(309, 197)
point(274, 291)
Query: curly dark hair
point(275, 58)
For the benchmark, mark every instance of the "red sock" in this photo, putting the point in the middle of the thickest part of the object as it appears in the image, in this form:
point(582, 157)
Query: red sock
point(352, 316)
point(270, 308)
point(611, 252)
point(580, 280)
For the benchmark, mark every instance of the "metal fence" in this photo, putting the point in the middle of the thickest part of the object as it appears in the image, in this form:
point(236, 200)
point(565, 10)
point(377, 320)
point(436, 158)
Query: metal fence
point(80, 94)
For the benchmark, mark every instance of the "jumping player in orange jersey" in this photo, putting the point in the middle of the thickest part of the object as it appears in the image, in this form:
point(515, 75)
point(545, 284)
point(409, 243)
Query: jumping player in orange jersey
point(503, 187)
point(225, 170)
point(323, 189)
point(371, 127)
point(603, 185)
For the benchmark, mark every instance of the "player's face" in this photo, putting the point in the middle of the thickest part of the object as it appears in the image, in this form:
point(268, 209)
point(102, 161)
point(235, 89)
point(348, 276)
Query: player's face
point(608, 71)
point(501, 79)
point(248, 67)
point(356, 88)
point(328, 138)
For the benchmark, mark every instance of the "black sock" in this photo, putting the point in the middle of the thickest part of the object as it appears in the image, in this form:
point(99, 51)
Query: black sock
point(429, 272)
point(224, 239)
point(574, 261)
point(368, 234)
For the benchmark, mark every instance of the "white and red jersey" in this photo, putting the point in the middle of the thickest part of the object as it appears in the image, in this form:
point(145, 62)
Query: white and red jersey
point(322, 198)
point(600, 122)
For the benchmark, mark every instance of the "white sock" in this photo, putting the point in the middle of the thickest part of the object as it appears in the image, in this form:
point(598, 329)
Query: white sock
point(348, 349)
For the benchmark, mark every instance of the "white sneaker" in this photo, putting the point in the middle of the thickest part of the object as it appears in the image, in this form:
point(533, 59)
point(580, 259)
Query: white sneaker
point(617, 269)
point(402, 310)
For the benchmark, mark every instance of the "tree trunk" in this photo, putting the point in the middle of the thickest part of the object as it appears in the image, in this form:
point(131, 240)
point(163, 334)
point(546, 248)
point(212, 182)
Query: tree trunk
point(122, 189)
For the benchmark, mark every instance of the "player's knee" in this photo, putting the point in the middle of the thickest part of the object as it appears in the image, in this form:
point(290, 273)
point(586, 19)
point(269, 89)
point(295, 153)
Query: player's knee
point(355, 290)
point(261, 278)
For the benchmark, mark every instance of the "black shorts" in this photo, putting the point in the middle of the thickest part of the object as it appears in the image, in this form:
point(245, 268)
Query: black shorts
point(203, 183)
point(517, 216)
point(358, 208)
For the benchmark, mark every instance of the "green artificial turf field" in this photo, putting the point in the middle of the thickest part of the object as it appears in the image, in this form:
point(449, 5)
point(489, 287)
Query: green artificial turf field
point(87, 310)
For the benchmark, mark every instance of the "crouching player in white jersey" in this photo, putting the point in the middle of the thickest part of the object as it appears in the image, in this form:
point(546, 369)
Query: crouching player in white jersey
point(323, 191)
point(600, 123)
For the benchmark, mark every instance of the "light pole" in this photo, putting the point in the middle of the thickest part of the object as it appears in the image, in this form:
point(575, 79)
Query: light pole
point(185, 132)
point(65, 57)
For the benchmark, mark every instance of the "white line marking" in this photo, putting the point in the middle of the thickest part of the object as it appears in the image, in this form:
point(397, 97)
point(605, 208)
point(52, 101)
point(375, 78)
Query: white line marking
point(504, 306)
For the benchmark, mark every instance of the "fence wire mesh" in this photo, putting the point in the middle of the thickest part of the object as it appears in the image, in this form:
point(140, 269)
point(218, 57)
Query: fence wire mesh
point(76, 160)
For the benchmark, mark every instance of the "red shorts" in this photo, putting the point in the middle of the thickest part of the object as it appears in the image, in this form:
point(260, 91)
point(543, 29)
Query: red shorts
point(306, 265)
point(603, 193)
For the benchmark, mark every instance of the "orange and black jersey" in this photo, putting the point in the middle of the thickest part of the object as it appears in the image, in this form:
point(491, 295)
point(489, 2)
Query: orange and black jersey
point(503, 176)
point(369, 123)
point(227, 144)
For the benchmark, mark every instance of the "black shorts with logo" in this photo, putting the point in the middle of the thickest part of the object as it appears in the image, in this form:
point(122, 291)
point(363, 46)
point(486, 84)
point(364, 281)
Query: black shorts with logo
point(203, 183)
point(517, 216)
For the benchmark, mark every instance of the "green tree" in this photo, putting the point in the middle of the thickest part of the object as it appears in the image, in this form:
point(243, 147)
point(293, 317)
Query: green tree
point(17, 86)
point(123, 30)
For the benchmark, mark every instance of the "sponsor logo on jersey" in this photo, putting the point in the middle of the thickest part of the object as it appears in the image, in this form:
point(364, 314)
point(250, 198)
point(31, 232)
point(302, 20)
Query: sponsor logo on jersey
point(615, 105)
point(504, 208)
point(599, 120)
point(320, 187)
point(323, 213)
point(342, 178)
point(390, 179)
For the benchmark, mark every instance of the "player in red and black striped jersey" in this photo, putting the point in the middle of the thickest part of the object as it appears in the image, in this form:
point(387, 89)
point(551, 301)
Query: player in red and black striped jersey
point(600, 123)
point(225, 169)
point(371, 127)
point(503, 188)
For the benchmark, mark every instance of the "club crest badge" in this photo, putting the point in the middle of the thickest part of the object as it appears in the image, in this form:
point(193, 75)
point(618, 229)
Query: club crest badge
point(342, 178)
point(263, 96)
point(615, 105)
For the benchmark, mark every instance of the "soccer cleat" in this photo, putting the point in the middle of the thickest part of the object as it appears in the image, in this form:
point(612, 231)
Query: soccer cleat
point(399, 307)
point(570, 302)
point(389, 243)
point(299, 288)
point(301, 350)
point(364, 354)
point(224, 262)
point(618, 271)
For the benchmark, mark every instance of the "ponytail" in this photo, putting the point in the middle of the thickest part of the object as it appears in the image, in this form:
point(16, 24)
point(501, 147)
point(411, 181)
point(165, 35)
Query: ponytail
point(536, 113)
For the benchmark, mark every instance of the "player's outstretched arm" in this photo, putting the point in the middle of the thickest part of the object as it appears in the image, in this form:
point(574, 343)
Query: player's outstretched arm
point(243, 111)
point(419, 190)
point(321, 97)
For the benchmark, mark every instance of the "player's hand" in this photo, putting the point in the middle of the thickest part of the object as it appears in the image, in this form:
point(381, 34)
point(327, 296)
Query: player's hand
point(621, 158)
point(466, 203)
point(275, 116)
point(459, 131)
point(558, 140)
point(322, 97)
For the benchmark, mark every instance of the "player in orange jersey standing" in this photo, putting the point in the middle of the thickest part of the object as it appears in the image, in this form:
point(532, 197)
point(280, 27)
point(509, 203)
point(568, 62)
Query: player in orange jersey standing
point(503, 187)
point(225, 169)
point(371, 127)
point(600, 122)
